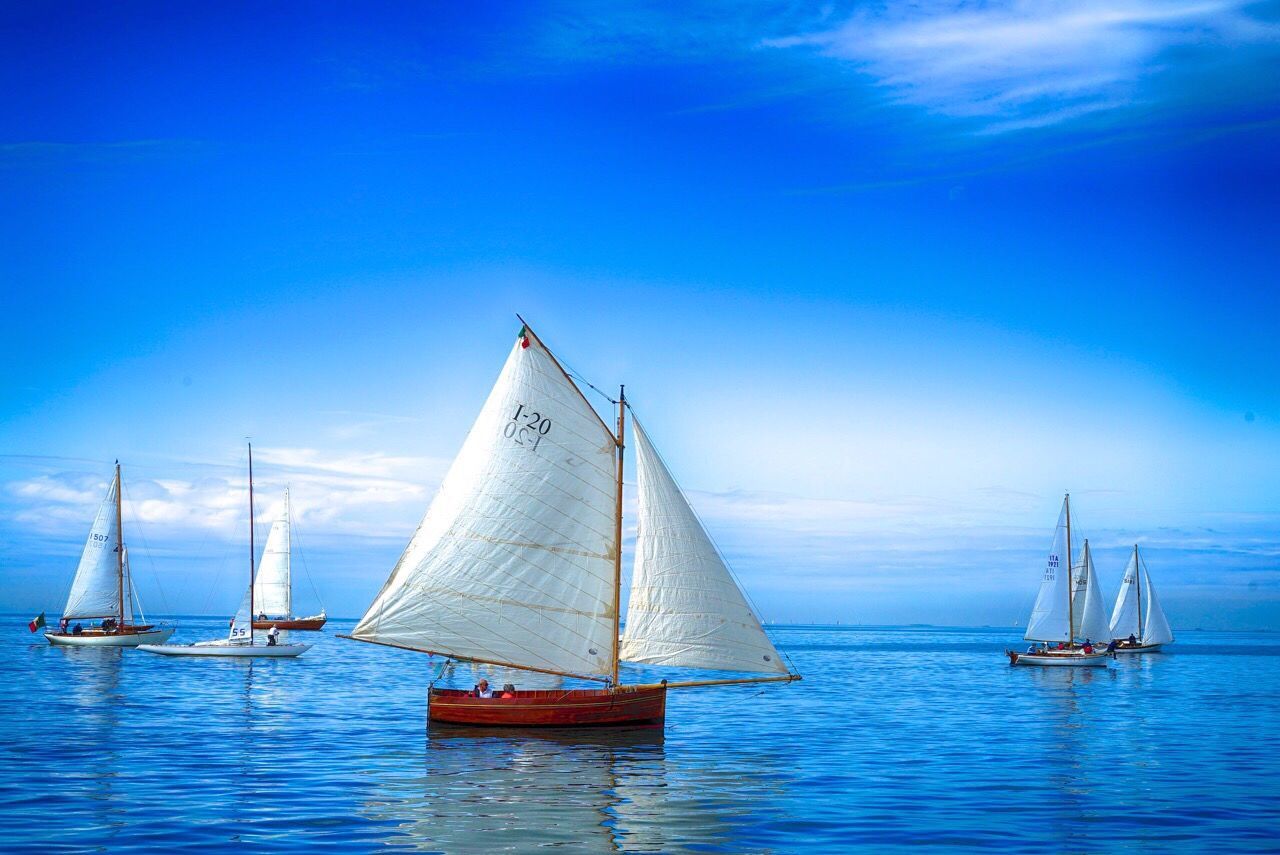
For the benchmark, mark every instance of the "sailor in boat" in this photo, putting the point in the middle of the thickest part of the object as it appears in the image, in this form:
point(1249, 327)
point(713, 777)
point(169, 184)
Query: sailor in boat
point(1111, 646)
point(482, 689)
point(1132, 640)
point(273, 637)
point(508, 690)
point(77, 629)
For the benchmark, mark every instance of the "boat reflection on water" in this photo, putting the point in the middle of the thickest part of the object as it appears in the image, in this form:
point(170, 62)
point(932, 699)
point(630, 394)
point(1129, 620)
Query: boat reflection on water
point(484, 789)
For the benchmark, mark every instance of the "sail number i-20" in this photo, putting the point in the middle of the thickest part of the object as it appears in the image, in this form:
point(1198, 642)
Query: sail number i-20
point(527, 427)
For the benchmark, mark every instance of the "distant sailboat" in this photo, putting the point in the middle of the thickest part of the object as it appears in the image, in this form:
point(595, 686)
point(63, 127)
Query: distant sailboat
point(273, 595)
point(1137, 613)
point(103, 587)
point(518, 563)
point(1053, 618)
point(240, 640)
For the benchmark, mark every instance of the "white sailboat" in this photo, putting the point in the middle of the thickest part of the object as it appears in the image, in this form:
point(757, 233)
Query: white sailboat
point(240, 640)
point(518, 563)
point(273, 593)
point(1138, 624)
point(1053, 618)
point(103, 588)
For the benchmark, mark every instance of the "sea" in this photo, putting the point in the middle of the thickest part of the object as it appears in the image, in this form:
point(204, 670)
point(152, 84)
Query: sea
point(906, 738)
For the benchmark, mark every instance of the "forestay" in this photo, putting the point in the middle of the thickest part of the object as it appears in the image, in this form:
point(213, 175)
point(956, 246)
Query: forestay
point(95, 592)
point(1155, 628)
point(514, 561)
point(685, 607)
point(1124, 617)
point(1049, 621)
point(1088, 612)
point(272, 586)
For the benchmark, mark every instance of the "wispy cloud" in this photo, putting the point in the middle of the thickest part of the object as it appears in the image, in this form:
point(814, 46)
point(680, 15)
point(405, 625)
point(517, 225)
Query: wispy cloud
point(1023, 64)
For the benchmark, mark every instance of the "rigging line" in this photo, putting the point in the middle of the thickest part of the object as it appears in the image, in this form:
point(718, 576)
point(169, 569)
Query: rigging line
point(155, 575)
point(294, 533)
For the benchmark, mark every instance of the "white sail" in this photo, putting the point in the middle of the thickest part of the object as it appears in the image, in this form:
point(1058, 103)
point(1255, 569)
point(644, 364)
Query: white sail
point(272, 584)
point(514, 561)
point(1090, 618)
point(95, 593)
point(1124, 617)
point(1049, 620)
point(241, 631)
point(1155, 626)
point(685, 607)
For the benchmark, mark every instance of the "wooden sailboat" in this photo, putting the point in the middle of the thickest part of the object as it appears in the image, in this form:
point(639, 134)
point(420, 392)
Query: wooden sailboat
point(103, 588)
point(273, 594)
point(1053, 618)
point(1137, 613)
point(240, 641)
point(518, 563)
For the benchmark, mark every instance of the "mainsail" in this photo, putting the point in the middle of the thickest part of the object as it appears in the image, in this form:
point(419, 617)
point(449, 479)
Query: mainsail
point(95, 593)
point(272, 586)
point(513, 563)
point(1090, 620)
point(685, 607)
point(1049, 617)
point(241, 631)
point(1124, 617)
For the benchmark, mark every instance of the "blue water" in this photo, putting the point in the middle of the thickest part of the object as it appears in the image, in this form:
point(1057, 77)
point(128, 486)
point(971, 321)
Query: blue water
point(899, 738)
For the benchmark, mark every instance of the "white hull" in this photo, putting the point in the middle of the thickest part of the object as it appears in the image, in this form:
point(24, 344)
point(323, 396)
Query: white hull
point(1059, 660)
point(228, 650)
point(1141, 648)
point(132, 639)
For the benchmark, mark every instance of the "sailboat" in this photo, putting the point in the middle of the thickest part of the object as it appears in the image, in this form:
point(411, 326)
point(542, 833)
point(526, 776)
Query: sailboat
point(273, 595)
point(1137, 613)
point(103, 588)
point(1053, 618)
point(518, 563)
point(240, 641)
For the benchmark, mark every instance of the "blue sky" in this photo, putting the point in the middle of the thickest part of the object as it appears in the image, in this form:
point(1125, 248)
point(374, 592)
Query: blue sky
point(882, 282)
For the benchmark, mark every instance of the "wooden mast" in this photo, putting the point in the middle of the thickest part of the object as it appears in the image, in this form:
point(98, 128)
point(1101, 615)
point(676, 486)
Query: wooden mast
point(617, 532)
point(251, 545)
point(119, 547)
point(1071, 614)
point(1137, 578)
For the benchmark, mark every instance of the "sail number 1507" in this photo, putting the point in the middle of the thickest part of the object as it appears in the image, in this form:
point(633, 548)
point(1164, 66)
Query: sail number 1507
point(527, 427)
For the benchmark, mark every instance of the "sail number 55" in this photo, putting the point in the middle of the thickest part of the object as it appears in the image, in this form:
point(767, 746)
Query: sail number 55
point(527, 427)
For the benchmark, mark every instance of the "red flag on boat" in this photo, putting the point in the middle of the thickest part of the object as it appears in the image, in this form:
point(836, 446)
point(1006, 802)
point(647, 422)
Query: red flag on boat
point(37, 623)
point(524, 337)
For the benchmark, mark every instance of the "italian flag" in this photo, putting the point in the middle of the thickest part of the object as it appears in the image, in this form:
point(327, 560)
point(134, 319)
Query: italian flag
point(524, 337)
point(37, 623)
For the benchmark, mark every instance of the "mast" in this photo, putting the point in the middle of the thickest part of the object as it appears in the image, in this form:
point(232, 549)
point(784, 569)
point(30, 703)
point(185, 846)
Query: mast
point(1137, 578)
point(1071, 615)
point(617, 532)
point(119, 546)
point(251, 545)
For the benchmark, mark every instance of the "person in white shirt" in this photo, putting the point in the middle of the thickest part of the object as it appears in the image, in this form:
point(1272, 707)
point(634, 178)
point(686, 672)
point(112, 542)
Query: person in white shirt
point(483, 690)
point(273, 637)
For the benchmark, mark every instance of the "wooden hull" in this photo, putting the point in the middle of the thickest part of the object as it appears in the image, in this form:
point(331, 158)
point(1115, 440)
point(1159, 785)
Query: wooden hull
point(132, 636)
point(1138, 648)
point(235, 651)
point(1061, 659)
point(622, 707)
point(311, 623)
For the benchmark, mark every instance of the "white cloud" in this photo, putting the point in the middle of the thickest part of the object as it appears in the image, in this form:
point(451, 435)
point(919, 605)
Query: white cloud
point(1025, 64)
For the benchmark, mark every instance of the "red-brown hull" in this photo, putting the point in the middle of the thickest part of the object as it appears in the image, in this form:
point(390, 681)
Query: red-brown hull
point(296, 623)
point(622, 707)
